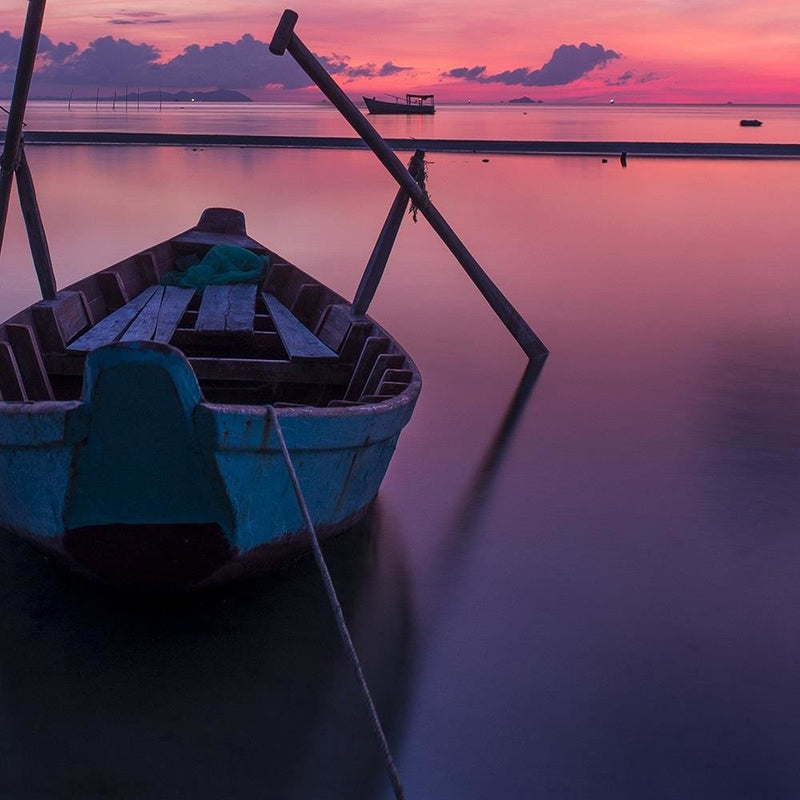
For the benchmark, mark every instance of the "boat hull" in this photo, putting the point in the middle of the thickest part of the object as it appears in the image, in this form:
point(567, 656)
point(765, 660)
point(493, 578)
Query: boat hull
point(167, 491)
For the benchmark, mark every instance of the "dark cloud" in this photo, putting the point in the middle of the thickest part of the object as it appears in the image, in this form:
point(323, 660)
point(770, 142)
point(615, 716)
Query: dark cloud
point(49, 53)
point(106, 62)
point(568, 63)
point(370, 70)
point(140, 22)
point(629, 77)
point(467, 73)
point(391, 69)
point(141, 14)
point(245, 64)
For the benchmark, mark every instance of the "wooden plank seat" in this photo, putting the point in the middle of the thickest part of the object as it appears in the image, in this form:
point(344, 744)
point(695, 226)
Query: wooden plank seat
point(154, 315)
point(227, 308)
point(300, 343)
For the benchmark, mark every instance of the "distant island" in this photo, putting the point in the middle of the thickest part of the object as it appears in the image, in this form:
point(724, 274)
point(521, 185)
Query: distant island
point(525, 99)
point(155, 96)
point(214, 96)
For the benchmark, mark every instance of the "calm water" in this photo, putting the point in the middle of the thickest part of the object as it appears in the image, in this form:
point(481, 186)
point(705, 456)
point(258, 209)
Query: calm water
point(589, 592)
point(516, 122)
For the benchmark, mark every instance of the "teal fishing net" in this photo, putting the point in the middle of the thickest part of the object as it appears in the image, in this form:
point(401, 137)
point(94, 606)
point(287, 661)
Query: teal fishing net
point(223, 263)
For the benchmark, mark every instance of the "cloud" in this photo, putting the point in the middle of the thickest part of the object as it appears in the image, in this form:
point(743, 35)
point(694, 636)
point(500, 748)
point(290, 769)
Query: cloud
point(629, 77)
point(244, 64)
point(106, 62)
point(391, 69)
point(49, 53)
point(125, 17)
point(466, 73)
point(567, 64)
point(370, 70)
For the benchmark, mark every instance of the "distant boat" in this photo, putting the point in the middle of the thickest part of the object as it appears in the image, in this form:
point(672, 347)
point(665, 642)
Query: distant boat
point(750, 123)
point(414, 104)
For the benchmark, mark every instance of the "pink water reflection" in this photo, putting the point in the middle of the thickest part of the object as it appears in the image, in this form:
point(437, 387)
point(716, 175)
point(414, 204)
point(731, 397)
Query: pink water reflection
point(630, 569)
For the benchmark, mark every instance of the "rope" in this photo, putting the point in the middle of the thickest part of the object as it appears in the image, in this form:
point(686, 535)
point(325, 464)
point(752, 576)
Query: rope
point(344, 633)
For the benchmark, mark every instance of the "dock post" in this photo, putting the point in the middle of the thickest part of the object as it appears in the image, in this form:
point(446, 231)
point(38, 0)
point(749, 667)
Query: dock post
point(286, 39)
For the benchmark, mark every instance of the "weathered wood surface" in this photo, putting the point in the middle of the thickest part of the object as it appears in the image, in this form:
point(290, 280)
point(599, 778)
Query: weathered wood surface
point(173, 307)
point(269, 371)
point(29, 362)
point(299, 342)
point(11, 386)
point(143, 325)
point(383, 362)
point(60, 320)
point(264, 370)
point(205, 238)
point(334, 326)
point(374, 346)
point(229, 308)
point(108, 330)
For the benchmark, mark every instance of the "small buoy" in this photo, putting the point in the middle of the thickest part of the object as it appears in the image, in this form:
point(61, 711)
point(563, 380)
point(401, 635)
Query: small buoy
point(485, 160)
point(605, 161)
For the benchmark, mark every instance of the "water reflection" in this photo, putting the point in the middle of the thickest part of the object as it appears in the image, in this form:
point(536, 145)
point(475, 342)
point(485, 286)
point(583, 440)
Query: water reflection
point(228, 694)
point(750, 421)
point(468, 515)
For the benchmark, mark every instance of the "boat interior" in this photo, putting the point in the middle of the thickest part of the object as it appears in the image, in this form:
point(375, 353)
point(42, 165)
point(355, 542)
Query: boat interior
point(288, 340)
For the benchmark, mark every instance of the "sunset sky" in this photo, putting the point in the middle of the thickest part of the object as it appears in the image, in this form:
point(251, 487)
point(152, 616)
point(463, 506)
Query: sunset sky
point(555, 50)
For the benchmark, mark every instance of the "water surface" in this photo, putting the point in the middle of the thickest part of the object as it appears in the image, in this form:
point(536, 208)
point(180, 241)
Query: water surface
point(642, 123)
point(589, 594)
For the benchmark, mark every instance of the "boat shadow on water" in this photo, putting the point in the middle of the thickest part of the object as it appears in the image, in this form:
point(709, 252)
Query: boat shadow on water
point(216, 694)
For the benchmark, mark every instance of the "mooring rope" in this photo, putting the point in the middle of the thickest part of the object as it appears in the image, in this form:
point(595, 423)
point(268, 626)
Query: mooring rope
point(344, 633)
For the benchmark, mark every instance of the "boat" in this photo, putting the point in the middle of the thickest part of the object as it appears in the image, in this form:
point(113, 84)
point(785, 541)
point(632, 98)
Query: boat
point(203, 409)
point(414, 104)
point(136, 438)
point(750, 123)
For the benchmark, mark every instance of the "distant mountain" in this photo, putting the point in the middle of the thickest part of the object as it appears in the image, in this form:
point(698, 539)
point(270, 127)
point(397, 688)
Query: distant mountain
point(525, 99)
point(214, 96)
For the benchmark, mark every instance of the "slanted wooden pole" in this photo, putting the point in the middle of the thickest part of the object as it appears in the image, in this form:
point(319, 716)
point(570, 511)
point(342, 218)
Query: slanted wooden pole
point(19, 99)
point(286, 39)
point(33, 224)
point(383, 247)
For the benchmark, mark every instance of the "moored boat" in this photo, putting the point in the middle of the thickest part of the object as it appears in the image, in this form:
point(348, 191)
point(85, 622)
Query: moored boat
point(750, 123)
point(413, 104)
point(136, 440)
point(203, 408)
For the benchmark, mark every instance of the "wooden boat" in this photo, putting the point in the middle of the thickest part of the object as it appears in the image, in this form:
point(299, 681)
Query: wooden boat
point(750, 123)
point(414, 104)
point(162, 438)
point(135, 434)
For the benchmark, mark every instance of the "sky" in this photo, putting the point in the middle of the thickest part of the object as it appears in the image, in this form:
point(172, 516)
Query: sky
point(704, 51)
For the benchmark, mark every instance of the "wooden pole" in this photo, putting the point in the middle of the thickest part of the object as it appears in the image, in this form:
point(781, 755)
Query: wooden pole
point(19, 99)
point(33, 224)
point(286, 39)
point(383, 247)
